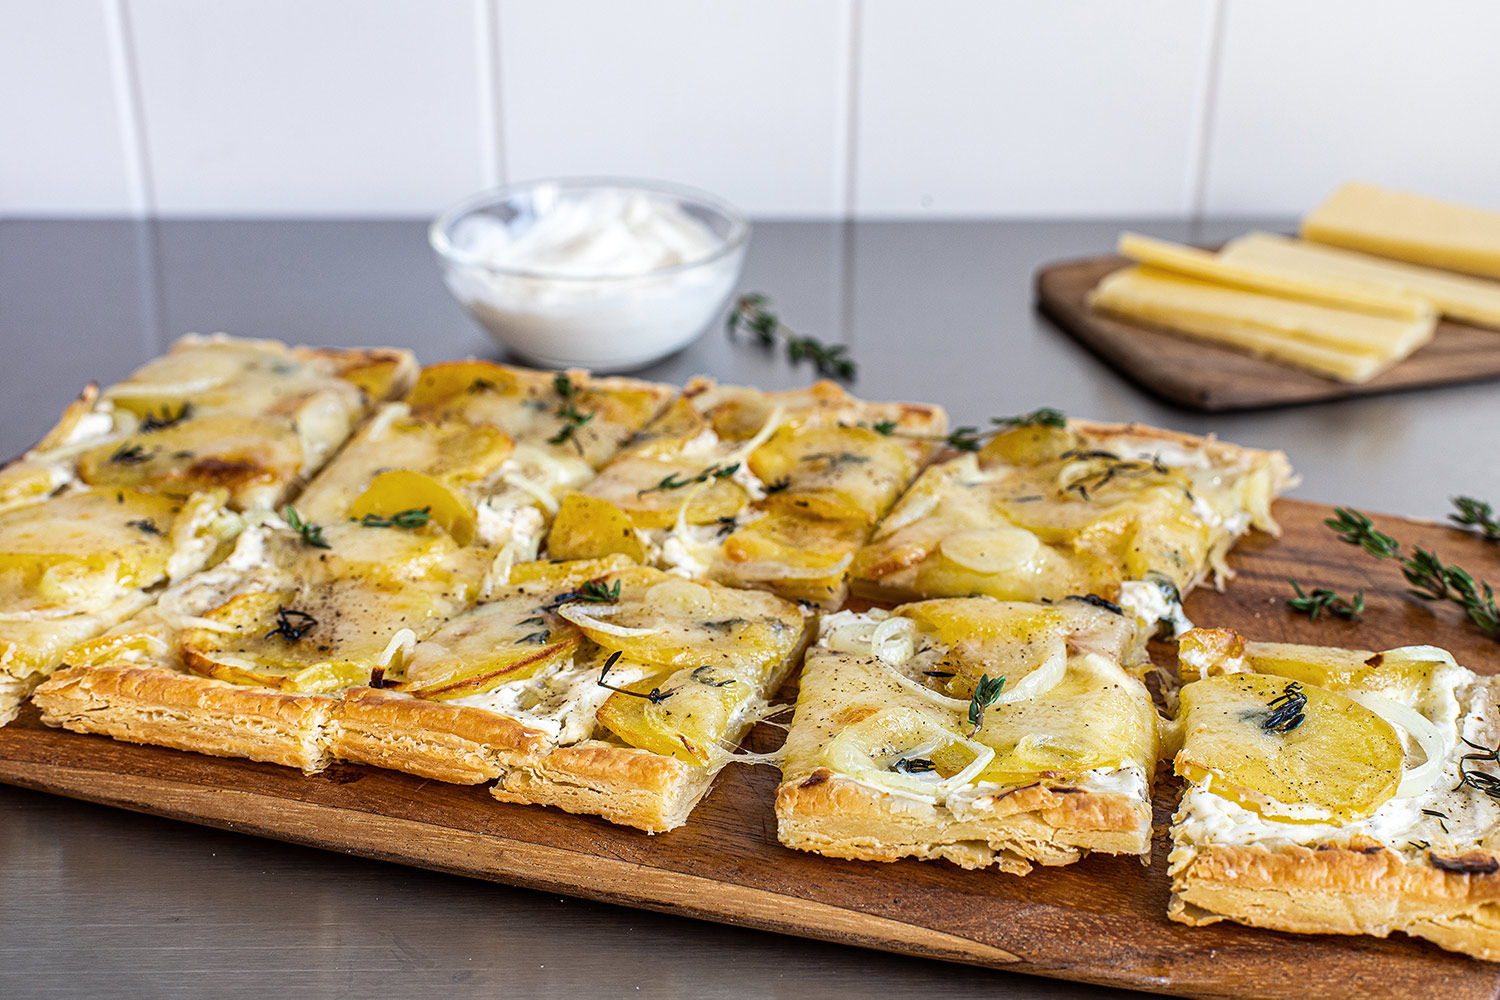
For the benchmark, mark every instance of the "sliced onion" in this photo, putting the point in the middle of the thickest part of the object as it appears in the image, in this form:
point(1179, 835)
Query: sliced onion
point(1041, 680)
point(403, 642)
point(894, 640)
point(850, 631)
point(547, 501)
point(1421, 654)
point(1415, 780)
point(585, 619)
point(768, 570)
point(181, 622)
point(37, 614)
point(187, 387)
point(760, 437)
point(849, 752)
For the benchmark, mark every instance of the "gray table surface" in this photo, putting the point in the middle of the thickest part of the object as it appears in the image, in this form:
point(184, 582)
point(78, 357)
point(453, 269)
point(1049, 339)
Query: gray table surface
point(98, 902)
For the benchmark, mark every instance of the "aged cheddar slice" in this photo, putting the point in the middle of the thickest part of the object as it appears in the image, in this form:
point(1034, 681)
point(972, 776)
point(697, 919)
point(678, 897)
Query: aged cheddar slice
point(1471, 300)
point(1344, 345)
point(1322, 289)
point(1408, 227)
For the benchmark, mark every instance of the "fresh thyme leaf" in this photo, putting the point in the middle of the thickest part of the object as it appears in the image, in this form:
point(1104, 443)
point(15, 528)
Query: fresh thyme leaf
point(986, 693)
point(726, 525)
point(1357, 529)
point(656, 695)
point(291, 624)
point(705, 675)
point(145, 524)
point(130, 453)
point(1489, 784)
point(168, 417)
point(535, 638)
point(412, 517)
point(1322, 599)
point(836, 459)
point(312, 534)
point(1287, 710)
point(568, 412)
point(479, 385)
point(676, 482)
point(777, 485)
point(1430, 578)
point(964, 439)
point(1439, 816)
point(1043, 417)
point(886, 427)
point(1478, 514)
point(751, 313)
point(594, 592)
point(913, 765)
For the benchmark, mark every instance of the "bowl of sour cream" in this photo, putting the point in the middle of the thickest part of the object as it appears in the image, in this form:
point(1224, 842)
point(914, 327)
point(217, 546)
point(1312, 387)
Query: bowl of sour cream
point(599, 273)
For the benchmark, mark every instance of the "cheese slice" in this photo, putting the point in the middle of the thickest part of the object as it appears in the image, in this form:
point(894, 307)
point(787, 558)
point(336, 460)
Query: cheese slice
point(1408, 227)
point(1322, 289)
point(1339, 344)
point(1471, 300)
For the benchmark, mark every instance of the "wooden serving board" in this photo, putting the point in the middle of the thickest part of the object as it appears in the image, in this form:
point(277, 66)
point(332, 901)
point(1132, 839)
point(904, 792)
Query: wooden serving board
point(1202, 376)
point(1101, 921)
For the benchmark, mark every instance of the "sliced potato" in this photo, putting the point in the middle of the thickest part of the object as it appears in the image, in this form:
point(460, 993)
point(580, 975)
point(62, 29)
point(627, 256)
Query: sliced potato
point(1339, 761)
point(587, 526)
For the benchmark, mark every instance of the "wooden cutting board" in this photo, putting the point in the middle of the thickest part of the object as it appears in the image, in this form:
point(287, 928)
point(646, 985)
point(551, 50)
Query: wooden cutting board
point(1204, 377)
point(1100, 921)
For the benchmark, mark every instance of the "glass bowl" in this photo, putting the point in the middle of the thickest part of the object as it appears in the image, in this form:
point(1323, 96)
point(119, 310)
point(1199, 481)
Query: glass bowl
point(570, 303)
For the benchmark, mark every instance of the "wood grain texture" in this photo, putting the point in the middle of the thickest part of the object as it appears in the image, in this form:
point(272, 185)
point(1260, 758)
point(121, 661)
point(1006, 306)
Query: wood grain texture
point(1102, 920)
point(1201, 376)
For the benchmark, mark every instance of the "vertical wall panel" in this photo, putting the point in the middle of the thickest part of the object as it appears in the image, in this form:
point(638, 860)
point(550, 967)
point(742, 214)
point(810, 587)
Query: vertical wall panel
point(60, 140)
point(1399, 93)
point(338, 107)
point(1076, 107)
point(742, 97)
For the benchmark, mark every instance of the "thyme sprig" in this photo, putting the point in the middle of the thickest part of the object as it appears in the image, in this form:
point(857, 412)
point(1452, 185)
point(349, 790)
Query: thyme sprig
point(1323, 599)
point(973, 438)
point(986, 693)
point(1115, 468)
point(1478, 514)
point(592, 591)
point(1489, 784)
point(151, 422)
point(675, 482)
point(751, 314)
point(655, 696)
point(568, 412)
point(1429, 577)
point(131, 453)
point(312, 534)
point(291, 624)
point(913, 765)
point(412, 517)
point(1287, 710)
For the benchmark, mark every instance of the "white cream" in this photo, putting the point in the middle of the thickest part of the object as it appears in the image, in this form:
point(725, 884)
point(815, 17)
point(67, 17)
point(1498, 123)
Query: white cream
point(600, 233)
point(561, 702)
point(598, 277)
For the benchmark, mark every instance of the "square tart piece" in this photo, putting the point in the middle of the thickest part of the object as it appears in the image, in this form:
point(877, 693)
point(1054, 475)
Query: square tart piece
point(770, 490)
point(565, 424)
point(254, 417)
point(82, 562)
point(1054, 507)
point(1337, 791)
point(980, 731)
point(248, 659)
point(596, 686)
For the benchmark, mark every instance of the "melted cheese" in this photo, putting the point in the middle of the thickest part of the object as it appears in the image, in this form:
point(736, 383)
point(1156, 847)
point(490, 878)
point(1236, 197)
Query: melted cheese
point(1448, 819)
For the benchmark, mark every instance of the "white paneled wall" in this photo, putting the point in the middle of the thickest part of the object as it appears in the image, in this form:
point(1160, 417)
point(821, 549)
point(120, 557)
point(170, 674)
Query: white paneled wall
point(791, 108)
